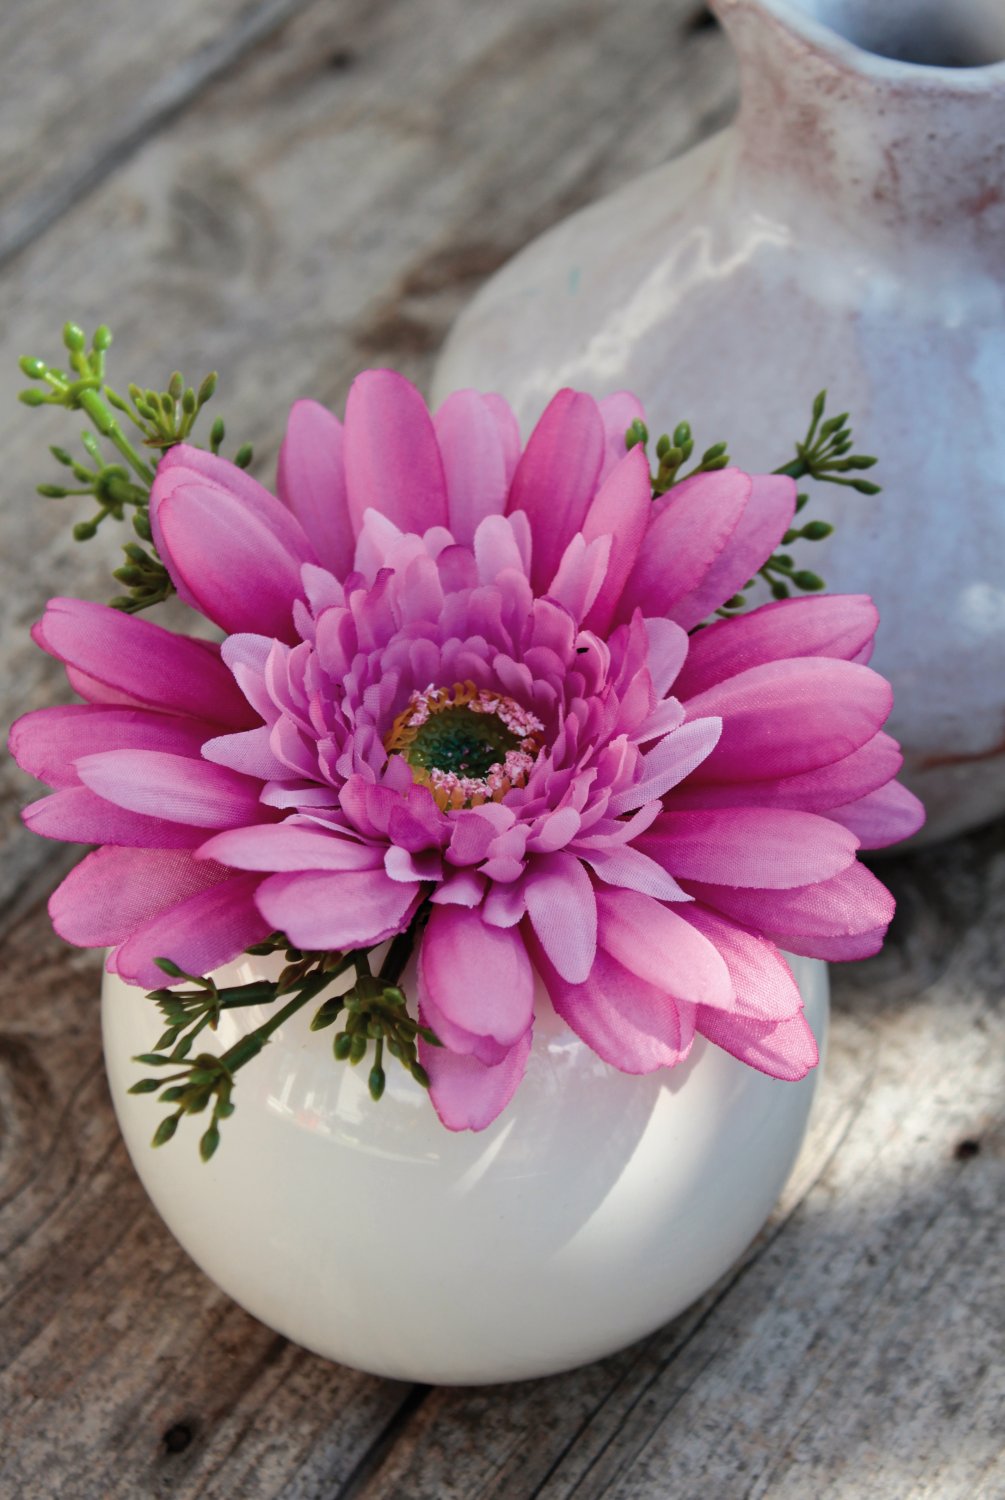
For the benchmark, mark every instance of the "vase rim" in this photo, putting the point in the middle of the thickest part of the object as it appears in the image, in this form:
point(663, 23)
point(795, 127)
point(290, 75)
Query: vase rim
point(854, 57)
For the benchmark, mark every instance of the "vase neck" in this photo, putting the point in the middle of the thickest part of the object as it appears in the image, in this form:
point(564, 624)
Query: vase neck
point(890, 117)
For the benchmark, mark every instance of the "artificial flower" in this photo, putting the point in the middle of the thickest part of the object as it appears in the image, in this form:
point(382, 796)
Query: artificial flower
point(466, 678)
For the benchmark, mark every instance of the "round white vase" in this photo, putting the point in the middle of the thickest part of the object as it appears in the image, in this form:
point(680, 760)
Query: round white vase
point(594, 1209)
point(847, 232)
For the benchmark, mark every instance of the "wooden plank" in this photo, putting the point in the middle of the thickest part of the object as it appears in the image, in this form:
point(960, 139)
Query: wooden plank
point(859, 1347)
point(81, 90)
point(327, 205)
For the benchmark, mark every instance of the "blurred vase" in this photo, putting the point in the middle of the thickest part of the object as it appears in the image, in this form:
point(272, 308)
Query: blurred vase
point(849, 232)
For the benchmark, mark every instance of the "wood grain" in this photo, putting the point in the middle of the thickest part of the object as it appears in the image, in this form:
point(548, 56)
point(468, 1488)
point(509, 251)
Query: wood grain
point(300, 190)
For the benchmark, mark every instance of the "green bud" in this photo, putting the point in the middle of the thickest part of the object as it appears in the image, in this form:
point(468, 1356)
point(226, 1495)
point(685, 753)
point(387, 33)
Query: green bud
point(62, 457)
point(176, 386)
point(866, 487)
point(779, 590)
point(376, 1082)
point(663, 446)
point(341, 1046)
point(84, 531)
point(244, 455)
point(783, 560)
point(206, 389)
point(809, 582)
point(209, 1143)
point(681, 434)
point(815, 531)
point(51, 491)
point(32, 397)
point(792, 535)
point(74, 337)
point(737, 602)
point(393, 995)
point(420, 1075)
point(121, 602)
point(188, 402)
point(717, 450)
point(712, 464)
point(174, 1094)
point(141, 525)
point(165, 1130)
point(129, 575)
point(357, 1048)
point(145, 1086)
point(168, 966)
point(33, 368)
point(216, 434)
point(801, 502)
point(102, 340)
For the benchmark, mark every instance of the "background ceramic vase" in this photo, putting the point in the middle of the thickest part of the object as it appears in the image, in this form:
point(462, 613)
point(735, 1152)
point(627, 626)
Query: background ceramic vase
point(596, 1207)
point(847, 232)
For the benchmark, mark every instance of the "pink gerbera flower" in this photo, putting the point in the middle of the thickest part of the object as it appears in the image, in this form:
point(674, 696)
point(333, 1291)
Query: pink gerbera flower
point(462, 674)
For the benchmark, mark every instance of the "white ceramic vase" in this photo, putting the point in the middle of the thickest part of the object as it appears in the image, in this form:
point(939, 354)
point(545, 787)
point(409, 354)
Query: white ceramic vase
point(847, 232)
point(594, 1209)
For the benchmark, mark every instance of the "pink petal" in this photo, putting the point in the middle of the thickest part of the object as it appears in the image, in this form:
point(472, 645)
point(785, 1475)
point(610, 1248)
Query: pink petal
point(617, 413)
point(200, 934)
point(172, 786)
point(689, 529)
point(786, 717)
point(580, 574)
point(562, 910)
point(476, 985)
point(289, 847)
point(622, 510)
point(329, 910)
point(771, 848)
point(478, 439)
point(48, 741)
point(669, 762)
point(629, 1024)
point(112, 892)
point(763, 986)
point(662, 948)
point(235, 559)
point(871, 766)
point(556, 478)
point(668, 650)
point(629, 868)
point(787, 1050)
point(311, 483)
point(764, 522)
point(810, 919)
point(143, 662)
point(467, 1094)
point(882, 817)
point(81, 817)
point(392, 458)
point(835, 625)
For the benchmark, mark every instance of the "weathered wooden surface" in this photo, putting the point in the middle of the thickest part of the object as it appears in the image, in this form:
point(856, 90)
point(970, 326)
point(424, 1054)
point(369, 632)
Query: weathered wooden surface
point(323, 184)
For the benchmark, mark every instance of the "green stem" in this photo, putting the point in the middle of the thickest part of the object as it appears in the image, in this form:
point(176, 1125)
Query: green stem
point(106, 424)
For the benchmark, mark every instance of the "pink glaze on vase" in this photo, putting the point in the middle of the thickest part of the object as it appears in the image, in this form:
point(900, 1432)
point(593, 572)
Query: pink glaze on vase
point(849, 232)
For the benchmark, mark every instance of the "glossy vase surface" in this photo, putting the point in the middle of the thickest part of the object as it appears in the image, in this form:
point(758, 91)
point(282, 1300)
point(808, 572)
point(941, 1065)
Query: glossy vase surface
point(847, 232)
point(592, 1210)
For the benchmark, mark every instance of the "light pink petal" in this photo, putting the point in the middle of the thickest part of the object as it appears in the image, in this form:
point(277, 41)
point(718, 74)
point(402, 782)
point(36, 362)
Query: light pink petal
point(866, 769)
point(477, 438)
point(580, 574)
point(468, 1094)
point(668, 649)
point(113, 891)
point(557, 476)
point(763, 986)
point(46, 743)
point(392, 458)
point(172, 786)
point(463, 888)
point(662, 948)
point(81, 817)
point(764, 522)
point(786, 717)
point(562, 910)
point(689, 530)
point(676, 756)
point(835, 625)
point(815, 920)
point(787, 1050)
point(200, 934)
point(338, 909)
point(289, 847)
point(496, 548)
point(250, 753)
point(476, 985)
point(311, 483)
point(631, 1025)
point(143, 662)
point(630, 868)
point(767, 847)
point(882, 817)
point(622, 510)
point(617, 413)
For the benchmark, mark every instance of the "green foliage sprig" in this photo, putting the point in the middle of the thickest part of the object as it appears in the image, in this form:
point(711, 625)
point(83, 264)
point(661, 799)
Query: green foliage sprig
point(152, 422)
point(824, 455)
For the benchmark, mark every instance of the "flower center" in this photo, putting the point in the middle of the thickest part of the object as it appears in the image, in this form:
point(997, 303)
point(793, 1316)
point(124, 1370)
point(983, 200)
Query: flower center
point(468, 745)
